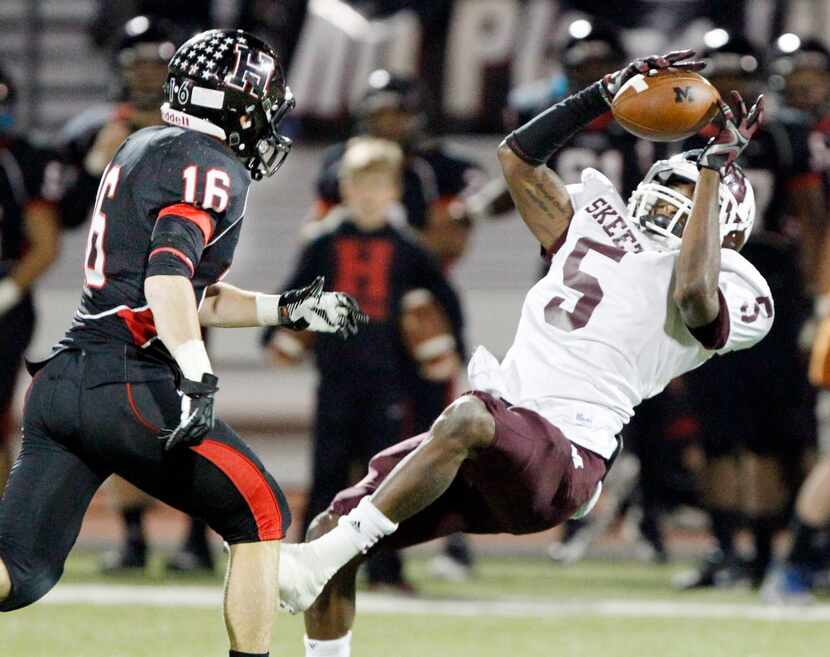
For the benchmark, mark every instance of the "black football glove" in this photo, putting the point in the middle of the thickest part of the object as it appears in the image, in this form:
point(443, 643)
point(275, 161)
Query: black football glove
point(309, 308)
point(613, 82)
point(725, 147)
point(197, 414)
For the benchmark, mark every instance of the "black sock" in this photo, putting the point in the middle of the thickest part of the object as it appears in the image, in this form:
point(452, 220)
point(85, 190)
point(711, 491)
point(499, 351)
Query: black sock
point(197, 541)
point(236, 653)
point(802, 552)
point(724, 524)
point(763, 530)
point(134, 523)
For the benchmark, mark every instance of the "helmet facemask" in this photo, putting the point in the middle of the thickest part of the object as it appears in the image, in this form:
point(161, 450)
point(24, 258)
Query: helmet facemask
point(272, 147)
point(661, 212)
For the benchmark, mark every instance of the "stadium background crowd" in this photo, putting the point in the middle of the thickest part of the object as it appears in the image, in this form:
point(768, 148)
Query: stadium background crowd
point(470, 69)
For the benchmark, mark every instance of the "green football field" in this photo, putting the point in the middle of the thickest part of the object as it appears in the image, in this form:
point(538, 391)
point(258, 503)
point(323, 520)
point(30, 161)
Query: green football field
point(514, 607)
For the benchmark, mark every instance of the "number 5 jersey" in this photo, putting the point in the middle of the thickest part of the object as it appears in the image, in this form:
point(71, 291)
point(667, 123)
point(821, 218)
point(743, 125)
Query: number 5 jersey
point(601, 332)
point(170, 202)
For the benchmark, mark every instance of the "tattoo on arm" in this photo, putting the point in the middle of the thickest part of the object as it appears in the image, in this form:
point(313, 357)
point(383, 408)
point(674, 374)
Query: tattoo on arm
point(543, 199)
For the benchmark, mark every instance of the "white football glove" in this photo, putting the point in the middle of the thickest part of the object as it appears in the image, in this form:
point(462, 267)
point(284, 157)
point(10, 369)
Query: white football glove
point(309, 308)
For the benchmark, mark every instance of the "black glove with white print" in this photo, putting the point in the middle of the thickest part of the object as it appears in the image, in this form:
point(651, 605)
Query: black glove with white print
point(309, 308)
point(197, 414)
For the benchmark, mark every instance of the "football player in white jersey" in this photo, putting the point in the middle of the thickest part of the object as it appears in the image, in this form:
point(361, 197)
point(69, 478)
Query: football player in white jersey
point(634, 297)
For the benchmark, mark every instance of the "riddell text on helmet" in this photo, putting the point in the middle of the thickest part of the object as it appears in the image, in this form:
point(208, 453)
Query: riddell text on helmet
point(176, 118)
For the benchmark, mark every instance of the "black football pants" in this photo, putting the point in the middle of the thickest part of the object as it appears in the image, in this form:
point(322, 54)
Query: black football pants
point(77, 431)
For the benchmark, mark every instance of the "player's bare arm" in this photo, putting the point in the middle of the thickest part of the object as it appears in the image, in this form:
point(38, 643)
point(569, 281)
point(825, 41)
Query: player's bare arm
point(173, 304)
point(698, 263)
point(539, 194)
point(309, 308)
point(42, 228)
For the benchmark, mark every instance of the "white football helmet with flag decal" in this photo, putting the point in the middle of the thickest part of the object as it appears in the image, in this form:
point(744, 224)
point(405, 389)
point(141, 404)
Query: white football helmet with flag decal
point(660, 211)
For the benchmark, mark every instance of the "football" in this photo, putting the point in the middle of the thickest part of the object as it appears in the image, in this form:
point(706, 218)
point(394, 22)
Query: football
point(427, 334)
point(670, 105)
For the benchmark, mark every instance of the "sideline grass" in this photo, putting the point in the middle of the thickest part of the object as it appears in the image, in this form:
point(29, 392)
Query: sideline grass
point(96, 631)
point(80, 630)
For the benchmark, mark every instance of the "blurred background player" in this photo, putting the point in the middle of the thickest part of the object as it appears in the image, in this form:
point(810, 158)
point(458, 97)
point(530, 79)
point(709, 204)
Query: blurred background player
point(754, 449)
point(801, 72)
point(364, 247)
point(30, 188)
point(88, 142)
point(435, 182)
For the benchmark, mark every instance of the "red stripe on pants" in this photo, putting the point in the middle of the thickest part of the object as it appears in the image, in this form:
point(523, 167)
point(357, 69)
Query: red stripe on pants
point(251, 484)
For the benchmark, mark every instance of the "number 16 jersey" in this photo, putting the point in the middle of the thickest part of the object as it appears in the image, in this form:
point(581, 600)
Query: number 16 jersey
point(601, 332)
point(171, 201)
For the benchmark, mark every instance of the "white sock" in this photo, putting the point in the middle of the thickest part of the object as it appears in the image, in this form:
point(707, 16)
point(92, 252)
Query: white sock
point(356, 533)
point(341, 647)
point(366, 524)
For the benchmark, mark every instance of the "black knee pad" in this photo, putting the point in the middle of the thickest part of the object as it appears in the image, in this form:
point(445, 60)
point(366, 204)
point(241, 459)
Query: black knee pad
point(31, 580)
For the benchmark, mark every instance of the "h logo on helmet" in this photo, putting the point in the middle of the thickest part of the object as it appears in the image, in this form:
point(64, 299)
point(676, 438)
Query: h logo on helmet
point(249, 75)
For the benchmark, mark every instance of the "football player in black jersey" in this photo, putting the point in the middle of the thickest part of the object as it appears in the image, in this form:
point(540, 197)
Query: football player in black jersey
point(435, 180)
point(30, 187)
point(130, 389)
point(752, 445)
point(87, 143)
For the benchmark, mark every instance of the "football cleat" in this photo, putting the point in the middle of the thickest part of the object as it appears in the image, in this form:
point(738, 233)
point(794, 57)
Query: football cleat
point(302, 577)
point(787, 584)
point(717, 570)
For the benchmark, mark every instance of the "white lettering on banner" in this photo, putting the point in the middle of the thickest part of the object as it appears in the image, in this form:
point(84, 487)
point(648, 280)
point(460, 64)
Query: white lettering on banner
point(482, 33)
point(339, 47)
point(337, 50)
point(533, 40)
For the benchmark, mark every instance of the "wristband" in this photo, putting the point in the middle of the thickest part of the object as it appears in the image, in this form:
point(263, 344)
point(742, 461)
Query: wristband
point(10, 294)
point(268, 309)
point(193, 359)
